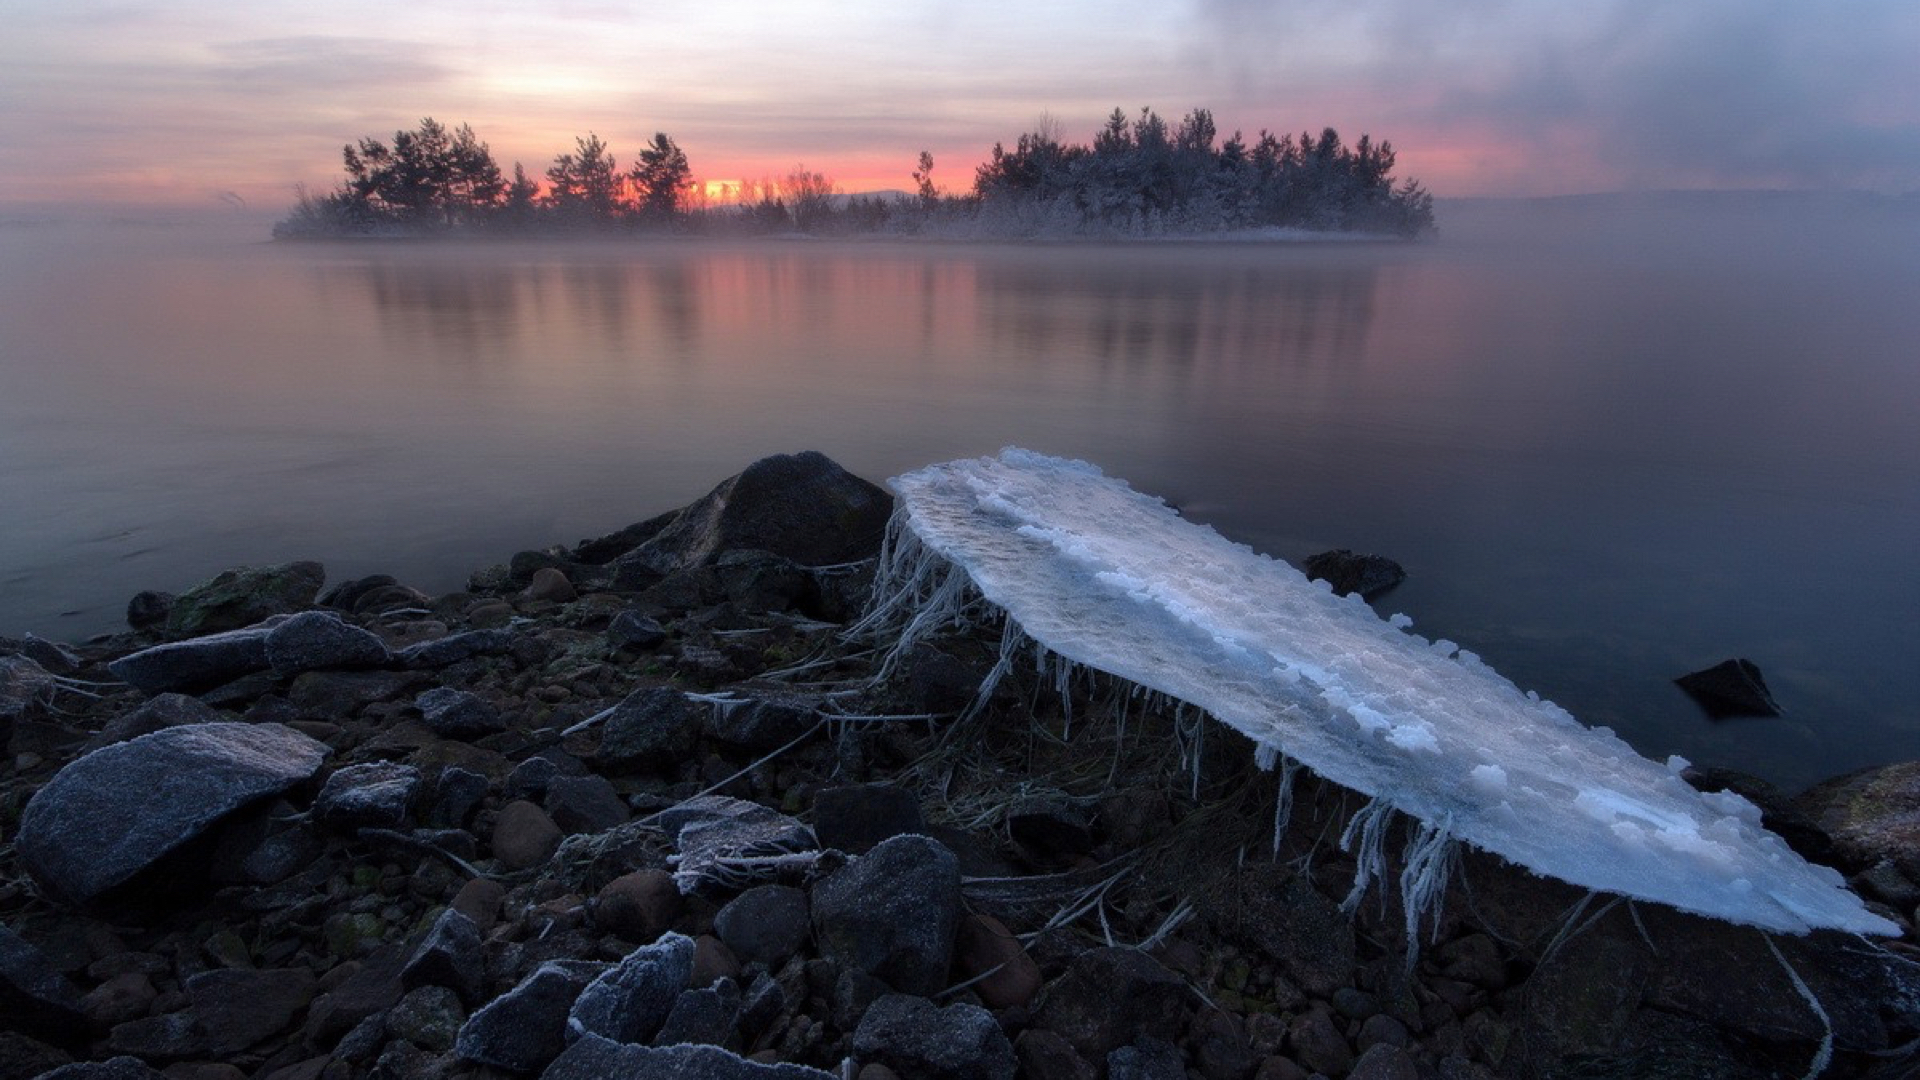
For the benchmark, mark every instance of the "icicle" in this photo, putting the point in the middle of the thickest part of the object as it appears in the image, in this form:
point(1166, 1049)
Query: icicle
point(1427, 866)
point(1283, 805)
point(1368, 825)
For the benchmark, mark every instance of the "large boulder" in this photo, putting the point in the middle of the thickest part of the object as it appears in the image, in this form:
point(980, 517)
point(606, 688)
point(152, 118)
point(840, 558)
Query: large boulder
point(1870, 815)
point(892, 913)
point(802, 507)
point(320, 641)
point(197, 663)
point(244, 596)
point(119, 810)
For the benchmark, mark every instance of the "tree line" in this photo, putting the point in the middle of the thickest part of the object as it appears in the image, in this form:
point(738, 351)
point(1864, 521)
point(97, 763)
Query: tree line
point(1139, 176)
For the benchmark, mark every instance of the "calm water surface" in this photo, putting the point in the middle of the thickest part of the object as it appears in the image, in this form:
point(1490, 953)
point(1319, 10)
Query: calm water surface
point(1610, 443)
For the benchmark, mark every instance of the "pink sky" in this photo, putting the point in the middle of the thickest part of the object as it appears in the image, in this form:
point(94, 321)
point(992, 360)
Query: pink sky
point(182, 103)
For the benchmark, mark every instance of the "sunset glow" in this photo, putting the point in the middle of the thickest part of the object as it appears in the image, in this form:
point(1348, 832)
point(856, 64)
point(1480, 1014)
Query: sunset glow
point(178, 103)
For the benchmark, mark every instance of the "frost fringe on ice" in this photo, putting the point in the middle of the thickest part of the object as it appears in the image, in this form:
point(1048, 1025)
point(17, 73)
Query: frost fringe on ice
point(1096, 574)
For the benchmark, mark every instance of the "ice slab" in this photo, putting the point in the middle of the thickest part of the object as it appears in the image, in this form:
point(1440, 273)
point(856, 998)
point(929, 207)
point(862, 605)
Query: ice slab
point(1116, 580)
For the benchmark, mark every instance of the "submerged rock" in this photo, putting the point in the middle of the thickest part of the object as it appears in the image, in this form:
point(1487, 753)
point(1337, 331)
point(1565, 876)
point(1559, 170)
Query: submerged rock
point(1731, 688)
point(1368, 575)
point(115, 812)
point(245, 595)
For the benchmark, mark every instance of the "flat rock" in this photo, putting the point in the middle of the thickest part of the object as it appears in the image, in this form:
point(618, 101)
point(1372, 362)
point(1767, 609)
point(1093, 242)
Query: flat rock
point(119, 1068)
point(458, 714)
point(157, 712)
point(1147, 1059)
point(1368, 575)
point(24, 687)
point(197, 663)
point(802, 507)
point(35, 999)
point(635, 630)
point(705, 1014)
point(984, 949)
point(449, 650)
point(319, 641)
point(892, 913)
point(712, 829)
point(115, 812)
point(375, 794)
point(243, 596)
point(1731, 688)
point(1283, 916)
point(594, 1058)
point(914, 1037)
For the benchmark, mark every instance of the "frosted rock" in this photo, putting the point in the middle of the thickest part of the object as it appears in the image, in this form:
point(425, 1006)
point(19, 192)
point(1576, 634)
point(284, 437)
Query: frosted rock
point(1109, 578)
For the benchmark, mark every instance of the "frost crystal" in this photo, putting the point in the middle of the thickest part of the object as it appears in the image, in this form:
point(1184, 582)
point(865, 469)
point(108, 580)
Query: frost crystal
point(1109, 578)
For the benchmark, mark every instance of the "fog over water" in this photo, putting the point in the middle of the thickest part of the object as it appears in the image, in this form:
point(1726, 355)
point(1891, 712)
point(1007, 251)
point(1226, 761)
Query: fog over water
point(1611, 440)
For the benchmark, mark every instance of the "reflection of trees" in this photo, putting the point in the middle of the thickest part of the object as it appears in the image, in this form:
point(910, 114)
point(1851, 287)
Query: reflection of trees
point(1184, 313)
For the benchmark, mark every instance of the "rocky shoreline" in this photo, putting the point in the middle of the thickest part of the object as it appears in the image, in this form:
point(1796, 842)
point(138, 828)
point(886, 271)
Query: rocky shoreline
point(639, 807)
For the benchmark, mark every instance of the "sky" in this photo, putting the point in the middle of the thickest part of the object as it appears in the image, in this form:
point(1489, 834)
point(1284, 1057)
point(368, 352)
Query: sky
point(207, 103)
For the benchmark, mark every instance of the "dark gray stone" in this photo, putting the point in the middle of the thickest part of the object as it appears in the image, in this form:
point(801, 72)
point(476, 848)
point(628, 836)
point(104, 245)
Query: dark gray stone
point(1109, 998)
point(457, 793)
point(149, 608)
point(1368, 575)
point(706, 1015)
point(365, 994)
point(1148, 1059)
point(1778, 814)
point(25, 688)
point(892, 913)
point(635, 630)
point(449, 956)
point(375, 794)
point(320, 641)
point(914, 1037)
point(157, 712)
point(341, 596)
point(457, 714)
point(243, 596)
point(1284, 917)
point(35, 999)
point(115, 812)
point(1872, 814)
point(195, 664)
point(856, 817)
point(763, 724)
point(763, 581)
point(530, 778)
point(1730, 688)
point(454, 648)
point(526, 1027)
point(585, 804)
point(595, 1058)
point(768, 923)
point(237, 1008)
point(52, 656)
point(802, 507)
point(332, 695)
point(429, 1017)
point(629, 1001)
point(1051, 827)
point(119, 1068)
point(1046, 1055)
point(712, 829)
point(651, 729)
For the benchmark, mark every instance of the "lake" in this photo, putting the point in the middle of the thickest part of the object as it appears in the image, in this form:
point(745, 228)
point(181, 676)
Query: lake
point(1612, 441)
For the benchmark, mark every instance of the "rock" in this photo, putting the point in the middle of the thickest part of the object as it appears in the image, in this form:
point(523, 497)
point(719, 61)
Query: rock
point(195, 664)
point(356, 991)
point(1872, 814)
point(119, 810)
point(713, 829)
point(1108, 998)
point(376, 795)
point(595, 1058)
point(243, 596)
point(762, 724)
point(457, 714)
point(53, 657)
point(25, 686)
point(585, 804)
point(480, 900)
point(1220, 1048)
point(151, 715)
point(1284, 917)
point(238, 1008)
point(334, 695)
point(35, 999)
point(634, 630)
point(629, 1001)
point(551, 585)
point(1368, 575)
point(1148, 1059)
point(713, 961)
point(1047, 1055)
point(457, 793)
point(524, 836)
point(450, 650)
point(1383, 1062)
point(1050, 827)
point(762, 581)
point(1730, 688)
point(149, 608)
point(650, 729)
point(639, 906)
point(526, 1027)
point(320, 641)
point(768, 923)
point(1316, 1042)
point(856, 817)
point(118, 1068)
point(449, 956)
point(892, 913)
point(1778, 814)
point(530, 778)
point(429, 1017)
point(702, 1015)
point(914, 1037)
point(985, 945)
point(343, 595)
point(802, 507)
point(119, 999)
